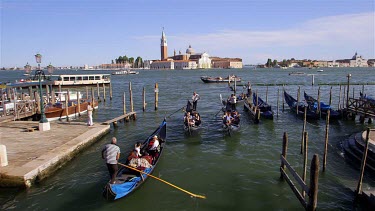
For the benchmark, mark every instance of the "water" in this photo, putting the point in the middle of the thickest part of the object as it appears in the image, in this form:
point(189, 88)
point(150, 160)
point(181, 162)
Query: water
point(240, 172)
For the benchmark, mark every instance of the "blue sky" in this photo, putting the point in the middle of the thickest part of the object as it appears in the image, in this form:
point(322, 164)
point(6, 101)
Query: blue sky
point(78, 32)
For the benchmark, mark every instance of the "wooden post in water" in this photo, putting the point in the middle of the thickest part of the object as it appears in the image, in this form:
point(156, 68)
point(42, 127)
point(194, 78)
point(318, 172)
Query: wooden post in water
point(266, 94)
point(283, 97)
point(93, 98)
point(110, 90)
point(284, 152)
point(256, 91)
point(47, 93)
point(53, 99)
point(298, 96)
point(68, 95)
point(303, 130)
point(79, 103)
point(312, 79)
point(319, 102)
point(124, 107)
point(131, 97)
point(104, 92)
point(326, 141)
point(278, 96)
point(304, 160)
point(314, 179)
point(363, 89)
point(156, 96)
point(235, 86)
point(338, 106)
point(330, 96)
point(363, 164)
point(98, 91)
point(343, 98)
point(67, 106)
point(347, 91)
point(353, 92)
point(87, 92)
point(144, 99)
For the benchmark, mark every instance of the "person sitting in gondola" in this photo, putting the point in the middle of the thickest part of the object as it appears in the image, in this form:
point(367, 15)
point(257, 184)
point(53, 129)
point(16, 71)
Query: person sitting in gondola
point(227, 119)
point(197, 119)
point(154, 146)
point(236, 117)
point(188, 119)
point(137, 148)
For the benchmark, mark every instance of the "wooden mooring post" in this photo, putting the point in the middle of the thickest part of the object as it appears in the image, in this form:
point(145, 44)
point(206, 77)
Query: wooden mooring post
point(66, 106)
point(338, 105)
point(347, 91)
point(110, 90)
point(144, 99)
point(283, 97)
point(309, 204)
point(79, 103)
point(156, 96)
point(266, 94)
point(303, 130)
point(131, 97)
point(278, 97)
point(306, 139)
point(87, 93)
point(93, 98)
point(363, 164)
point(298, 98)
point(104, 97)
point(330, 96)
point(98, 91)
point(124, 103)
point(326, 141)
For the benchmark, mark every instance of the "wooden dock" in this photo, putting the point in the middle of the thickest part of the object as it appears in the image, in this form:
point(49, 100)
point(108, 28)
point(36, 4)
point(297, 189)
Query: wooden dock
point(121, 118)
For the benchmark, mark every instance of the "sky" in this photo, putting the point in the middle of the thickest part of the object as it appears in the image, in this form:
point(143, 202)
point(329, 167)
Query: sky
point(93, 32)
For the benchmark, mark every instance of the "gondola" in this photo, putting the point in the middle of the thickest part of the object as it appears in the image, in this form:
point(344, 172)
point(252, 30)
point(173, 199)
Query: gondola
point(128, 180)
point(265, 109)
point(313, 104)
point(235, 123)
point(197, 121)
point(207, 79)
point(301, 107)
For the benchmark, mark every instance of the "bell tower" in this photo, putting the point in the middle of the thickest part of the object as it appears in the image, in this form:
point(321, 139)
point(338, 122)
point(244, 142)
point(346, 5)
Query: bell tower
point(163, 46)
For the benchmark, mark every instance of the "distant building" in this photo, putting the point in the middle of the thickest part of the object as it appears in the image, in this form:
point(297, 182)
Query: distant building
point(189, 60)
point(356, 61)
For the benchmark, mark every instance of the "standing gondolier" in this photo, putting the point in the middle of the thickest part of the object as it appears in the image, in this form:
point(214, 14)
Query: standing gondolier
point(111, 154)
point(195, 99)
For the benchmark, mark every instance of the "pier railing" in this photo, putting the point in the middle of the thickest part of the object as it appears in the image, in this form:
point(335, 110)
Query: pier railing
point(361, 106)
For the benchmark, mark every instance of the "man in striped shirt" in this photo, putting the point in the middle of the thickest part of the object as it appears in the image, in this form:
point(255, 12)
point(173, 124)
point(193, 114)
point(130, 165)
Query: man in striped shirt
point(111, 153)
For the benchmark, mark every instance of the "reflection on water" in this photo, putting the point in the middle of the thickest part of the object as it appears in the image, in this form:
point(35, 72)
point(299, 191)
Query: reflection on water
point(234, 172)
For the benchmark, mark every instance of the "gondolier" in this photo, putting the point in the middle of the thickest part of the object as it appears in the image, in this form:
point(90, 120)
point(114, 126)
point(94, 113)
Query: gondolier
point(111, 153)
point(195, 99)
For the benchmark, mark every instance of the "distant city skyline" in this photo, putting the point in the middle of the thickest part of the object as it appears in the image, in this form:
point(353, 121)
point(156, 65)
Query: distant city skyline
point(94, 32)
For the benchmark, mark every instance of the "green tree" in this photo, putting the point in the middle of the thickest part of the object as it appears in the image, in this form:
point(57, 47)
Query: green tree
point(112, 61)
point(131, 61)
point(125, 59)
point(269, 62)
point(284, 64)
point(138, 62)
point(274, 63)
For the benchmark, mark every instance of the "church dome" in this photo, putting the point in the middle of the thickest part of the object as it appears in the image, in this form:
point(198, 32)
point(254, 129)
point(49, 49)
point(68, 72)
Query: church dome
point(190, 50)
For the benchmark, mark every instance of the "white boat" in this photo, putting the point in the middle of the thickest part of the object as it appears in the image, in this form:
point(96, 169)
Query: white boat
point(60, 96)
point(319, 70)
point(84, 79)
point(125, 72)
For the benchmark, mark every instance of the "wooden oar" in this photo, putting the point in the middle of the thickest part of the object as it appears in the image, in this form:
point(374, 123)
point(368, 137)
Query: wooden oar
point(161, 180)
point(175, 111)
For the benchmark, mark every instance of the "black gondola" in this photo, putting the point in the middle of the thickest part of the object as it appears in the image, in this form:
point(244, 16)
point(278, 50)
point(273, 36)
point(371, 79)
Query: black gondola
point(301, 107)
point(193, 123)
point(265, 109)
point(313, 104)
point(128, 180)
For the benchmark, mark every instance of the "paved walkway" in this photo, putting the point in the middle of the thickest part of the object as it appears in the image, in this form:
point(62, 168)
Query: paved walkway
point(34, 155)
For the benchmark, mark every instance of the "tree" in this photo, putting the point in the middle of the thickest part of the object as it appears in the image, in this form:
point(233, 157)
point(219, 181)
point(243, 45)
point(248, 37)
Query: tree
point(112, 61)
point(138, 62)
point(125, 59)
point(269, 63)
point(274, 63)
point(131, 61)
point(284, 64)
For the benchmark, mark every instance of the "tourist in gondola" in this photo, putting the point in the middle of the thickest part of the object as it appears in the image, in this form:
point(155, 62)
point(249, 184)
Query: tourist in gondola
point(227, 119)
point(189, 120)
point(195, 99)
point(154, 146)
point(236, 117)
point(111, 153)
point(137, 148)
point(197, 119)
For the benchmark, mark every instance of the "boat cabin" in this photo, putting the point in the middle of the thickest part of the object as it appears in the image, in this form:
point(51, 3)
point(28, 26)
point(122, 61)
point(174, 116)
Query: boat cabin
point(85, 79)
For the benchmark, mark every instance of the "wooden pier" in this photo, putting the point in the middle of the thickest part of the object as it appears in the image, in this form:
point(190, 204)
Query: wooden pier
point(121, 118)
point(362, 107)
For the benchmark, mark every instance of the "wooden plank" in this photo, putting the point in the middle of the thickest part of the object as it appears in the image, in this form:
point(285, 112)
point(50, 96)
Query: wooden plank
point(295, 175)
point(118, 118)
point(294, 189)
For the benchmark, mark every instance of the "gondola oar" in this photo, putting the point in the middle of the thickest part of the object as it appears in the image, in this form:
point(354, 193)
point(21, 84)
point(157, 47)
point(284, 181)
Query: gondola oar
point(161, 180)
point(176, 111)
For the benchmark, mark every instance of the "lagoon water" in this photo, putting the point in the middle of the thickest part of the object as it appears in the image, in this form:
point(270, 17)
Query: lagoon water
point(238, 172)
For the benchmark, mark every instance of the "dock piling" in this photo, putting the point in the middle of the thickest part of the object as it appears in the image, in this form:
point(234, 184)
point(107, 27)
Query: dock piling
point(306, 138)
point(104, 96)
point(363, 164)
point(326, 141)
point(66, 106)
point(110, 90)
point(319, 112)
point(131, 97)
point(93, 98)
point(303, 130)
point(283, 97)
point(144, 99)
point(79, 103)
point(314, 177)
point(347, 91)
point(284, 151)
point(156, 96)
point(298, 98)
point(338, 105)
point(87, 92)
point(278, 96)
point(266, 94)
point(330, 96)
point(98, 91)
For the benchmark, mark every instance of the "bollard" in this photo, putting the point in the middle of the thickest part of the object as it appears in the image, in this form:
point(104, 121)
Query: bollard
point(3, 155)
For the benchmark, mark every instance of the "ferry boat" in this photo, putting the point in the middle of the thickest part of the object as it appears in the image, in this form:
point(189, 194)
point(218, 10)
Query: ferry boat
point(84, 79)
point(125, 72)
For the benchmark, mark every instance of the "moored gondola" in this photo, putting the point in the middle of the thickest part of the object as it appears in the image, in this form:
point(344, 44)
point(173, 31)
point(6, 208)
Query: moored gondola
point(128, 180)
point(292, 103)
point(192, 119)
point(313, 104)
point(265, 109)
